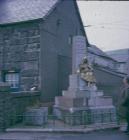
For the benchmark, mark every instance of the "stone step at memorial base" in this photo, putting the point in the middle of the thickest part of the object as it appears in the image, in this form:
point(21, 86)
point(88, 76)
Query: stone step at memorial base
point(66, 102)
point(86, 116)
point(75, 93)
point(100, 101)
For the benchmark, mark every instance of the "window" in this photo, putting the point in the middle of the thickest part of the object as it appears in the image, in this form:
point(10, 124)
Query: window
point(12, 79)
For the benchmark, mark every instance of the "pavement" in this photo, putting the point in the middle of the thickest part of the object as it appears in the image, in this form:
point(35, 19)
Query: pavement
point(70, 129)
point(106, 132)
point(98, 135)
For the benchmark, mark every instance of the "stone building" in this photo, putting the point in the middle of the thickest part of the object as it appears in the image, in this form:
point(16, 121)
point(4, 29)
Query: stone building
point(36, 48)
point(100, 58)
point(35, 44)
point(122, 56)
point(109, 77)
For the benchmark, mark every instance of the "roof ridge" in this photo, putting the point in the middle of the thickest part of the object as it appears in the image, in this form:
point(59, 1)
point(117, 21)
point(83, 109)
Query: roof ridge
point(11, 11)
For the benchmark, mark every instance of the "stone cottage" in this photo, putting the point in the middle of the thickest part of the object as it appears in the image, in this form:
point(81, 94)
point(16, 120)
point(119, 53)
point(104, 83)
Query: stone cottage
point(36, 48)
point(35, 44)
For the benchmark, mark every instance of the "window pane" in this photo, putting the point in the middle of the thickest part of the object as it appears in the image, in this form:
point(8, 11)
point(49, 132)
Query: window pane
point(12, 79)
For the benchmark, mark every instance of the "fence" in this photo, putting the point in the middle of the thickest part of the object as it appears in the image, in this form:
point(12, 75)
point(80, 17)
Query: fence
point(76, 121)
point(12, 108)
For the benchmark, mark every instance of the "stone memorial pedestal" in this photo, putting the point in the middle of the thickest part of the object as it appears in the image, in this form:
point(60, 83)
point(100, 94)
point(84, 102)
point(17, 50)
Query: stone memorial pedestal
point(87, 106)
point(81, 104)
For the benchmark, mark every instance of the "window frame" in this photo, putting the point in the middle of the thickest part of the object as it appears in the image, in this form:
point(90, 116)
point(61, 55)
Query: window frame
point(16, 82)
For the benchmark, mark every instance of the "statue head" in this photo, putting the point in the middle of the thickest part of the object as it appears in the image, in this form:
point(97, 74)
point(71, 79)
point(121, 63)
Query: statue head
point(85, 60)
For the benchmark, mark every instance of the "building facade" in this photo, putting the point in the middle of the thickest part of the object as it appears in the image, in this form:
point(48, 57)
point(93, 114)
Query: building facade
point(122, 56)
point(100, 58)
point(35, 44)
point(108, 76)
point(36, 48)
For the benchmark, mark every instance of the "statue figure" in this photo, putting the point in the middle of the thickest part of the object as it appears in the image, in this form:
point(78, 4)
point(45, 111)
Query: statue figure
point(86, 72)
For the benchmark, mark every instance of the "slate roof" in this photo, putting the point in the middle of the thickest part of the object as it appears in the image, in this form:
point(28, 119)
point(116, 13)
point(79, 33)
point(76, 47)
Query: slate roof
point(121, 55)
point(12, 11)
point(95, 50)
point(108, 70)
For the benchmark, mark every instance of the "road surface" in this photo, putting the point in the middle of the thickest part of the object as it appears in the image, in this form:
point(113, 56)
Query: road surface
point(99, 135)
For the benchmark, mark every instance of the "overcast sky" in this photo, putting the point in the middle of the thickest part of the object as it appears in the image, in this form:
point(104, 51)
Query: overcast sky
point(108, 23)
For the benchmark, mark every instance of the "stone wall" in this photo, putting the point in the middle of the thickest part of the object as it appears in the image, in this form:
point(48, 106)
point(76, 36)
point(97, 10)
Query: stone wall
point(13, 106)
point(56, 47)
point(5, 106)
point(20, 102)
point(19, 51)
point(110, 83)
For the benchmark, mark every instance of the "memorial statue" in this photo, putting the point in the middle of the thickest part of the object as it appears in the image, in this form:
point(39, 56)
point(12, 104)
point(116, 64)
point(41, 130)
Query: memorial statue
point(86, 72)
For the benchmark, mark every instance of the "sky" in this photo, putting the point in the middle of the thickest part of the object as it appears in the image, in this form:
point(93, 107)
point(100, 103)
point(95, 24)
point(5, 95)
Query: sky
point(107, 23)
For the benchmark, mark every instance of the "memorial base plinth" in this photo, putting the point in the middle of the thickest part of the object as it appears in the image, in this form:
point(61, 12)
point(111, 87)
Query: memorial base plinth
point(86, 116)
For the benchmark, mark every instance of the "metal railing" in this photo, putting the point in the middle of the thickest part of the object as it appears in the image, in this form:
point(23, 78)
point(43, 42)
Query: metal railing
point(65, 121)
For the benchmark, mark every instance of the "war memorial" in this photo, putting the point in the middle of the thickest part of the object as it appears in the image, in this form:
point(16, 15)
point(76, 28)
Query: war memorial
point(83, 103)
